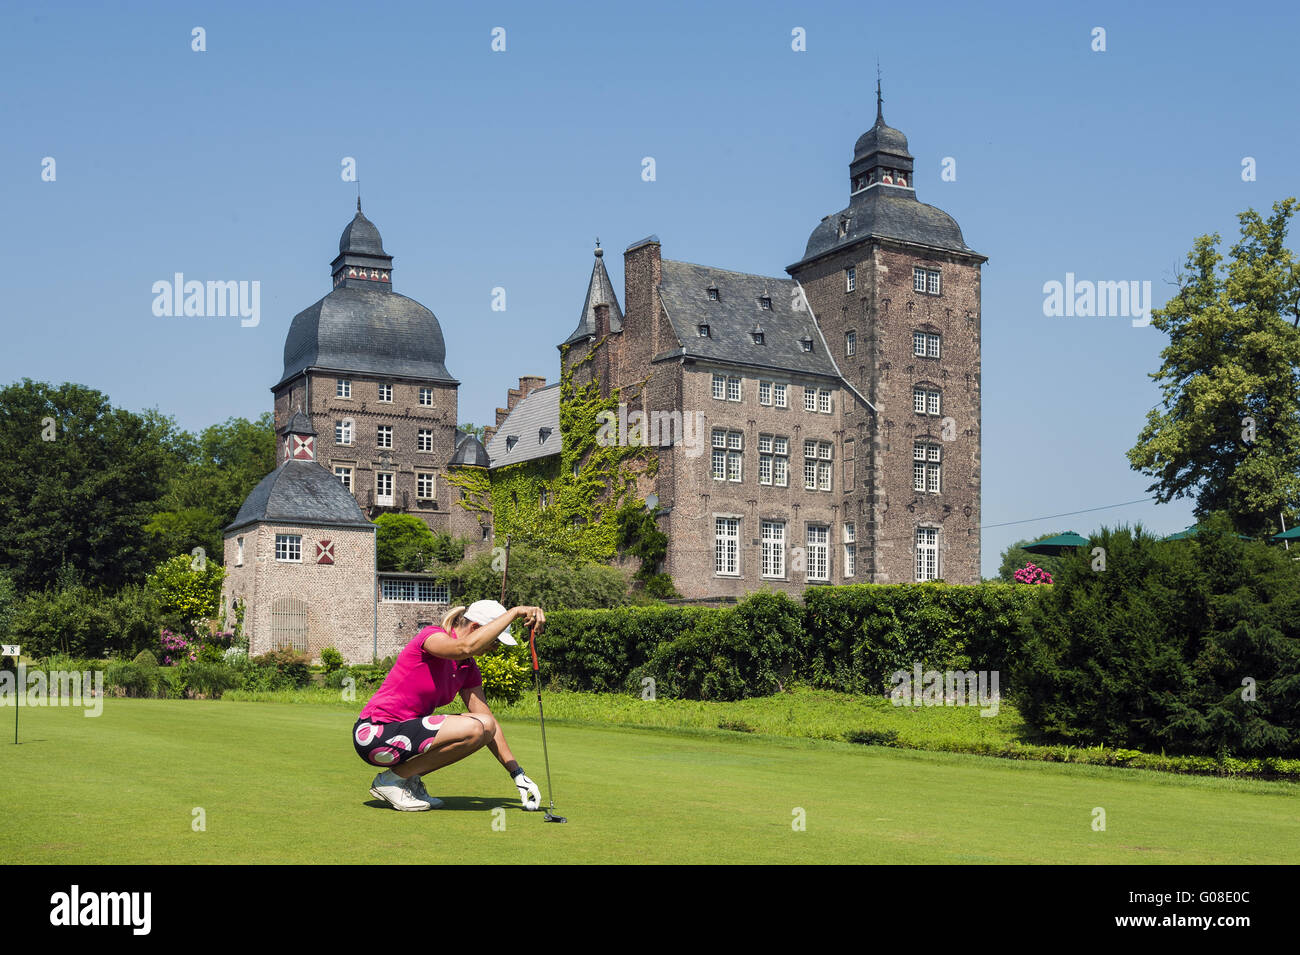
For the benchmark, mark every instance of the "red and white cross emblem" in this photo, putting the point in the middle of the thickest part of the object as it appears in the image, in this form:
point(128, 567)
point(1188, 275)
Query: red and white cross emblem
point(324, 552)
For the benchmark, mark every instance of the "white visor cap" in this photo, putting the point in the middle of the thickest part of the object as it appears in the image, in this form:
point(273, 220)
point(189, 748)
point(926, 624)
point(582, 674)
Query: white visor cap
point(483, 612)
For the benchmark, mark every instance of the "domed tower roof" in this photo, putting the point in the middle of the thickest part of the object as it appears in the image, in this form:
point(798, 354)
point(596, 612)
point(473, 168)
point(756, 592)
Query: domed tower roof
point(363, 326)
point(882, 201)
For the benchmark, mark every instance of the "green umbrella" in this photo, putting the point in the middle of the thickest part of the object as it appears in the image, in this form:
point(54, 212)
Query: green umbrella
point(1055, 546)
point(1193, 531)
point(1292, 534)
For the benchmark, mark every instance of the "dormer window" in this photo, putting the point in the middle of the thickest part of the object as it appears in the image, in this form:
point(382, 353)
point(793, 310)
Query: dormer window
point(757, 334)
point(713, 295)
point(704, 331)
point(511, 441)
point(765, 303)
point(844, 227)
point(806, 344)
point(543, 434)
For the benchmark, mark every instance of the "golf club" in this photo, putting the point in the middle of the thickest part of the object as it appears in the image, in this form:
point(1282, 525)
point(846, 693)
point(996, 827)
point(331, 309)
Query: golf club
point(537, 681)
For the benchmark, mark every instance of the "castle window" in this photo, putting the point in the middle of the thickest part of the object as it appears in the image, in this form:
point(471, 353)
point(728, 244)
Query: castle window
point(925, 280)
point(728, 456)
point(925, 400)
point(719, 387)
point(511, 441)
point(704, 331)
point(758, 337)
point(424, 485)
point(810, 399)
point(765, 393)
point(926, 461)
point(824, 400)
point(844, 227)
point(345, 476)
point(487, 532)
point(806, 343)
point(773, 460)
point(850, 279)
point(342, 388)
point(925, 345)
point(545, 498)
point(726, 543)
point(779, 395)
point(765, 303)
point(850, 343)
point(424, 440)
point(385, 392)
point(426, 397)
point(850, 549)
point(384, 436)
point(733, 389)
point(343, 431)
point(818, 553)
point(384, 488)
point(239, 556)
point(713, 295)
point(288, 547)
point(773, 549)
point(927, 553)
point(543, 434)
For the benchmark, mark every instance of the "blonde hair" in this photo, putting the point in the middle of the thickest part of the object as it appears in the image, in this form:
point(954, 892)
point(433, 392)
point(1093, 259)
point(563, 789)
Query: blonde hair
point(453, 618)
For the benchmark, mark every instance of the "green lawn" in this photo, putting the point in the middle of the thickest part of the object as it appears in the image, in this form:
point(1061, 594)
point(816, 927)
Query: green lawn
point(280, 783)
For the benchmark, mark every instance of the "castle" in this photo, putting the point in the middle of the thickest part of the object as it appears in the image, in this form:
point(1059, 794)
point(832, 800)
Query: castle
point(833, 420)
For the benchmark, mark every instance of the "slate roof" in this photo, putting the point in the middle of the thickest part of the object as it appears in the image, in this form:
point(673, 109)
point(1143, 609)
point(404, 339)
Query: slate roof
point(888, 212)
point(361, 236)
point(298, 423)
point(300, 492)
point(469, 451)
point(600, 291)
point(541, 409)
point(367, 331)
point(684, 292)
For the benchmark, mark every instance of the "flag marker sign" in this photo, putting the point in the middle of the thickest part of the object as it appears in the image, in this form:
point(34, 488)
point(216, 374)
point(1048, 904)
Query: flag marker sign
point(12, 650)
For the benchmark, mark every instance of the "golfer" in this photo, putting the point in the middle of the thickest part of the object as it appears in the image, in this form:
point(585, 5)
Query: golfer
point(398, 728)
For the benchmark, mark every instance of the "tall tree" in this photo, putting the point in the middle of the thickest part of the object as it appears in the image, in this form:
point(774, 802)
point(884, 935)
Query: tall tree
point(214, 473)
point(78, 480)
point(1227, 431)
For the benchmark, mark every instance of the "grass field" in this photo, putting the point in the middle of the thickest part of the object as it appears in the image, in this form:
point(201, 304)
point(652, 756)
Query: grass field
point(280, 783)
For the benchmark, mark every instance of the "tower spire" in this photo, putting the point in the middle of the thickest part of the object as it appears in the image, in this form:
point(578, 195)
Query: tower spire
point(880, 108)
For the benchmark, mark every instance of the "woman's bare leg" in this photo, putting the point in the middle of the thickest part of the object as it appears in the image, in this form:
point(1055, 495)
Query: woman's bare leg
point(458, 736)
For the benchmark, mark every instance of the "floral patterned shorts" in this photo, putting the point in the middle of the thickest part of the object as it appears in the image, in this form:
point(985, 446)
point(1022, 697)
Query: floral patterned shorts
point(387, 744)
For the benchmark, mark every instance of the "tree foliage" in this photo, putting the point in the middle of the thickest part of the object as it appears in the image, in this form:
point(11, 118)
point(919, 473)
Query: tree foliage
point(78, 481)
point(404, 542)
point(1227, 432)
point(1015, 557)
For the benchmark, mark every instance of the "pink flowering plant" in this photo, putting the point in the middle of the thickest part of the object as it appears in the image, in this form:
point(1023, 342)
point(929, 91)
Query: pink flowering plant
point(182, 647)
point(1032, 574)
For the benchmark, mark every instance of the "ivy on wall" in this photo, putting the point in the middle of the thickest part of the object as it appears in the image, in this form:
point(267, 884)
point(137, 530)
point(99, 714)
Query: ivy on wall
point(578, 503)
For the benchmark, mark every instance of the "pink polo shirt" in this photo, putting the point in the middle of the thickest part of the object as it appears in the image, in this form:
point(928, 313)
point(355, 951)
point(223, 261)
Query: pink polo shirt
point(419, 683)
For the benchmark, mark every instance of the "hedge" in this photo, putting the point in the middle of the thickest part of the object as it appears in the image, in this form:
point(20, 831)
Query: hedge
point(859, 634)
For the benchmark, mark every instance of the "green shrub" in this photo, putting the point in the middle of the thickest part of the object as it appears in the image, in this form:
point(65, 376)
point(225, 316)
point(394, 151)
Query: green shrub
point(330, 659)
point(506, 673)
point(146, 658)
point(873, 737)
point(859, 634)
point(1154, 652)
point(285, 669)
point(208, 679)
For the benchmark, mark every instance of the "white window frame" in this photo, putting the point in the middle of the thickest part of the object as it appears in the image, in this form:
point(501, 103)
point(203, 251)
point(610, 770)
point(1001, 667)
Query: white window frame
point(780, 394)
point(426, 397)
point(850, 279)
point(720, 387)
point(239, 554)
point(343, 388)
point(765, 393)
point(925, 401)
point(386, 393)
point(850, 549)
point(850, 343)
point(810, 400)
point(734, 392)
point(927, 554)
point(344, 474)
point(772, 563)
point(726, 546)
point(343, 432)
point(823, 401)
point(383, 436)
point(817, 551)
point(288, 548)
point(424, 439)
point(429, 478)
point(382, 499)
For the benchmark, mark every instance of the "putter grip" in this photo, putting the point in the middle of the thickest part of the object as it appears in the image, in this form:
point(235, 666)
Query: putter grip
point(533, 647)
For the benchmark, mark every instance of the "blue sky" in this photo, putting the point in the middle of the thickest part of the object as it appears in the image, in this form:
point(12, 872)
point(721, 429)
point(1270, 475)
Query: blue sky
point(487, 169)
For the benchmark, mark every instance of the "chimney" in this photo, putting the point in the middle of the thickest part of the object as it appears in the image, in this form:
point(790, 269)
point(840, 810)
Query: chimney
point(530, 383)
point(502, 414)
point(488, 432)
point(642, 270)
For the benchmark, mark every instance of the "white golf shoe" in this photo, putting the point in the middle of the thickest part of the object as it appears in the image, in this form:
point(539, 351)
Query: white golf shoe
point(396, 791)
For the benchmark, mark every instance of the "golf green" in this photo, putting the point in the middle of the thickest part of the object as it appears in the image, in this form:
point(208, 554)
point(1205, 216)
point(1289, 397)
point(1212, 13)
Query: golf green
point(280, 783)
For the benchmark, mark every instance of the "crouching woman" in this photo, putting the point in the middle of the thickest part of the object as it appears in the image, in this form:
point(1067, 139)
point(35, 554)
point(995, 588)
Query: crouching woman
point(398, 728)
